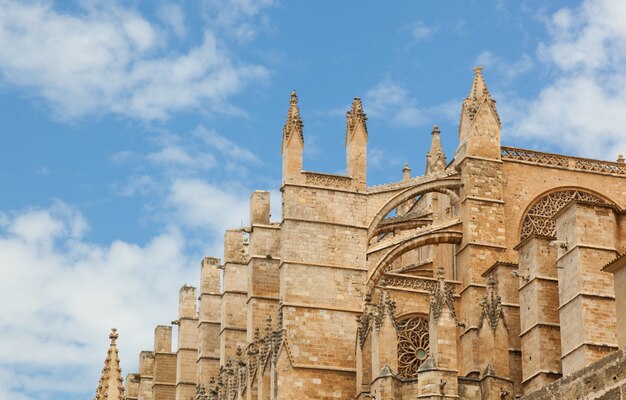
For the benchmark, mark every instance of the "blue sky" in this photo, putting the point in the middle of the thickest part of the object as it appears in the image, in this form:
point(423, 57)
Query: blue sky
point(133, 133)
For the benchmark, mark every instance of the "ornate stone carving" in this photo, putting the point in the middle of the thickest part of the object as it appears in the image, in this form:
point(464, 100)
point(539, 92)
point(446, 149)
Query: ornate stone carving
point(261, 349)
point(408, 282)
point(413, 345)
point(492, 306)
point(328, 180)
point(442, 296)
point(538, 220)
point(374, 315)
point(201, 393)
point(355, 116)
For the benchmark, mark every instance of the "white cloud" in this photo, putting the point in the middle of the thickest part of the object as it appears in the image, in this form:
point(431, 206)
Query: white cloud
point(391, 101)
point(582, 109)
point(203, 205)
point(108, 60)
point(66, 293)
point(420, 31)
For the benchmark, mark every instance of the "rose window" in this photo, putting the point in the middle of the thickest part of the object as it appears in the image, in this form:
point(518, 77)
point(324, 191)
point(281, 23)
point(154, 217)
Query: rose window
point(413, 345)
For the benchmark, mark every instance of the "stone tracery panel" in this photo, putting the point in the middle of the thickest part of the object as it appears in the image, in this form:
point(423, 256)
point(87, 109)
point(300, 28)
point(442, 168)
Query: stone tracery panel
point(413, 345)
point(538, 220)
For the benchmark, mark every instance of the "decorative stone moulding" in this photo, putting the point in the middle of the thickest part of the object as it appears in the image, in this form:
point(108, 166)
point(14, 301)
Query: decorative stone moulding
point(557, 160)
point(328, 180)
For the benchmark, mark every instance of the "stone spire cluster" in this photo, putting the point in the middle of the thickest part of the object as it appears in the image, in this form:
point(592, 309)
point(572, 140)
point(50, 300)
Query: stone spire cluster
point(110, 386)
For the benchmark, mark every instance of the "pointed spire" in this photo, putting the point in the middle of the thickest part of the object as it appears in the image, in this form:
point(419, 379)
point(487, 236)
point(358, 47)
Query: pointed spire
point(110, 386)
point(479, 88)
point(477, 95)
point(435, 158)
point(355, 116)
point(293, 124)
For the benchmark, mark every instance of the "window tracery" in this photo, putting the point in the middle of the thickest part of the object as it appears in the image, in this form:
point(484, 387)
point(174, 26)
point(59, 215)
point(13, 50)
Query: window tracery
point(538, 220)
point(413, 345)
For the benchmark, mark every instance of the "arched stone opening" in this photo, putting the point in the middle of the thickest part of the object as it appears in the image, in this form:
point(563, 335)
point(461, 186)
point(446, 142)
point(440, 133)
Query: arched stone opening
point(447, 186)
point(537, 219)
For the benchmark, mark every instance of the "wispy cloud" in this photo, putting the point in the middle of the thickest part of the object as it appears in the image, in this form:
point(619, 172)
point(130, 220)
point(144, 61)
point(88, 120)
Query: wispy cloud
point(109, 60)
point(225, 146)
point(391, 101)
point(507, 69)
point(420, 31)
point(240, 19)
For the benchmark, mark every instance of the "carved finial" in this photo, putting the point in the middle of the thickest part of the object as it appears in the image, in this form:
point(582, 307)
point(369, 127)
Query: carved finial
point(355, 116)
point(257, 334)
point(620, 158)
point(492, 306)
point(442, 296)
point(294, 99)
point(293, 124)
point(113, 335)
point(406, 172)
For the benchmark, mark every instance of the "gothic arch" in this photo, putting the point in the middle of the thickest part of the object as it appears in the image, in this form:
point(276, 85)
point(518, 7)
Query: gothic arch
point(448, 236)
point(537, 218)
point(445, 185)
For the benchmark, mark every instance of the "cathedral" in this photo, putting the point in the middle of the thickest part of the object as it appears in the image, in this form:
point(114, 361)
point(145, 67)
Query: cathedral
point(500, 273)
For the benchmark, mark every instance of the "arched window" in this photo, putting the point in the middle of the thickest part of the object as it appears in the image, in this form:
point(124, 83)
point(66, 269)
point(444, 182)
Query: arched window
point(413, 345)
point(538, 219)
